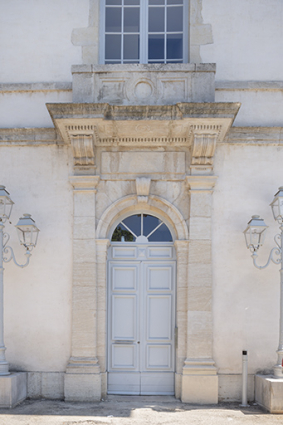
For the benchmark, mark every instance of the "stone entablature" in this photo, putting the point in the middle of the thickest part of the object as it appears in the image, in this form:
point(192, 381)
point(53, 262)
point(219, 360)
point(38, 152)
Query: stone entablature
point(190, 127)
point(138, 84)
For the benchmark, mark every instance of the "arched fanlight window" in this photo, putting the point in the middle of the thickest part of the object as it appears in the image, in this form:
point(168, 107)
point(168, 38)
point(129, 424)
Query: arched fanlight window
point(141, 228)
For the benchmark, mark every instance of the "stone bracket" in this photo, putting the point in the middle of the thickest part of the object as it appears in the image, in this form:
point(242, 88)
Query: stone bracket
point(83, 152)
point(204, 139)
point(143, 187)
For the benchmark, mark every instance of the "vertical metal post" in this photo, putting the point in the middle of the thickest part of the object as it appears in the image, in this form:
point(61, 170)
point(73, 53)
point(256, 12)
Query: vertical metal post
point(4, 365)
point(245, 380)
point(277, 370)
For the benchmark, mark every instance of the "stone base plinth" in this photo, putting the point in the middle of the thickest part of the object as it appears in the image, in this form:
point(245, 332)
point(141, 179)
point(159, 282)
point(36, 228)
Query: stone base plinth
point(269, 393)
point(200, 389)
point(13, 389)
point(82, 387)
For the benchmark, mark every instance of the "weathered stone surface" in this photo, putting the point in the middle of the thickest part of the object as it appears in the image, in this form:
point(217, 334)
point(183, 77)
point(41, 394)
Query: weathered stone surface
point(13, 389)
point(143, 84)
point(269, 393)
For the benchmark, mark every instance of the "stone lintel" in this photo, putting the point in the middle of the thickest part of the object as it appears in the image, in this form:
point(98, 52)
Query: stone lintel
point(84, 182)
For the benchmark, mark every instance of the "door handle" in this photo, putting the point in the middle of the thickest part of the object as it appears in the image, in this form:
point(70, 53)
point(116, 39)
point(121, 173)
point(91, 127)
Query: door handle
point(138, 342)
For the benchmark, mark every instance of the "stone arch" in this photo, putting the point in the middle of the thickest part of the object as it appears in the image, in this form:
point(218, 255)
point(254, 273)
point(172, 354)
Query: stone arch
point(156, 205)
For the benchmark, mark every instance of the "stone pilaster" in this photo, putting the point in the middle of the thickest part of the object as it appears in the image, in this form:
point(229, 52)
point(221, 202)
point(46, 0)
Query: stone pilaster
point(200, 381)
point(101, 258)
point(181, 247)
point(82, 378)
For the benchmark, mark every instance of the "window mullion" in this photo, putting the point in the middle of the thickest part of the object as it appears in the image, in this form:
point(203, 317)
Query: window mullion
point(122, 34)
point(165, 33)
point(143, 31)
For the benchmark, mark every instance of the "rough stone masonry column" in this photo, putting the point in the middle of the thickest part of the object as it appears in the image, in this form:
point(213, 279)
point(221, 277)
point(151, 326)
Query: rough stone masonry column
point(82, 377)
point(200, 380)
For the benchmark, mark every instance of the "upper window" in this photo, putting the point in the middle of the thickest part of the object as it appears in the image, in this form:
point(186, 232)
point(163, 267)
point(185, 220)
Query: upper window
point(144, 31)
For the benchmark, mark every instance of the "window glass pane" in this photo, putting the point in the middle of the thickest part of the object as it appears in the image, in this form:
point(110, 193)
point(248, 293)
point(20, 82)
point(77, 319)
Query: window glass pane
point(120, 232)
point(131, 46)
point(156, 19)
point(162, 234)
point(149, 224)
point(156, 46)
point(112, 47)
point(126, 2)
point(174, 1)
point(156, 2)
point(113, 19)
point(174, 46)
point(111, 2)
point(131, 19)
point(174, 19)
point(134, 223)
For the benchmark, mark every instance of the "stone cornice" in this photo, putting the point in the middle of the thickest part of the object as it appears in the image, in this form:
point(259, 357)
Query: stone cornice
point(49, 136)
point(143, 125)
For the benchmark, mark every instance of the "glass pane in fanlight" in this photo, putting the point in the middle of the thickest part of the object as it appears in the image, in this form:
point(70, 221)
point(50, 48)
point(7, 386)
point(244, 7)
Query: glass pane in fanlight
point(175, 19)
point(149, 223)
point(156, 47)
point(131, 46)
point(131, 2)
point(113, 19)
point(162, 234)
point(113, 47)
point(131, 19)
point(120, 232)
point(174, 46)
point(134, 223)
point(156, 19)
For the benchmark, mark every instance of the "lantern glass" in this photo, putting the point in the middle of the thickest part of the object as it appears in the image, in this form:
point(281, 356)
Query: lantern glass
point(6, 204)
point(27, 231)
point(277, 204)
point(255, 232)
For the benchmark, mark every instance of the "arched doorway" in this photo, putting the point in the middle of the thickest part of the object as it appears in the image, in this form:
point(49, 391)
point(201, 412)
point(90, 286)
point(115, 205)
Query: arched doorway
point(141, 307)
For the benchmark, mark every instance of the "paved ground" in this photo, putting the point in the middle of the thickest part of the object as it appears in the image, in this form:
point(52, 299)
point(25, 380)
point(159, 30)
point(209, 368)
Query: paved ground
point(135, 411)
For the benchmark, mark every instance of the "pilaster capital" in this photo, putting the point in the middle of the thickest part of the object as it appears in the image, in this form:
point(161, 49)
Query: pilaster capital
point(102, 245)
point(181, 245)
point(84, 182)
point(201, 183)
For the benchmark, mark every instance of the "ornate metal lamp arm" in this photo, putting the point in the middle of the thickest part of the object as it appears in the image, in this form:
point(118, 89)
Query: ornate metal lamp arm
point(275, 251)
point(8, 250)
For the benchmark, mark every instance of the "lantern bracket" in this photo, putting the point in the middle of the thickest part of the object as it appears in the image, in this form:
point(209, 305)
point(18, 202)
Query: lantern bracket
point(9, 255)
point(274, 256)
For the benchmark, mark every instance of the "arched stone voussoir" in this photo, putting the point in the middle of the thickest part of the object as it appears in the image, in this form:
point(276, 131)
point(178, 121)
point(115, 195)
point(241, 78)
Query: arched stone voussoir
point(156, 205)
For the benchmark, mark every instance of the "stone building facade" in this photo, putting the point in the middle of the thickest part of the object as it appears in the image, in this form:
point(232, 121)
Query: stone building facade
point(193, 145)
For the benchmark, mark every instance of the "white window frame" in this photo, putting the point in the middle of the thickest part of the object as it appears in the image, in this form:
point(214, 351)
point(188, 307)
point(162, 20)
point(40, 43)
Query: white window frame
point(144, 33)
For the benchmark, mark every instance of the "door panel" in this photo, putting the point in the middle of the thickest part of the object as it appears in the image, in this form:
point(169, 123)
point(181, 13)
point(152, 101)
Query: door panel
point(141, 305)
point(159, 317)
point(124, 317)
